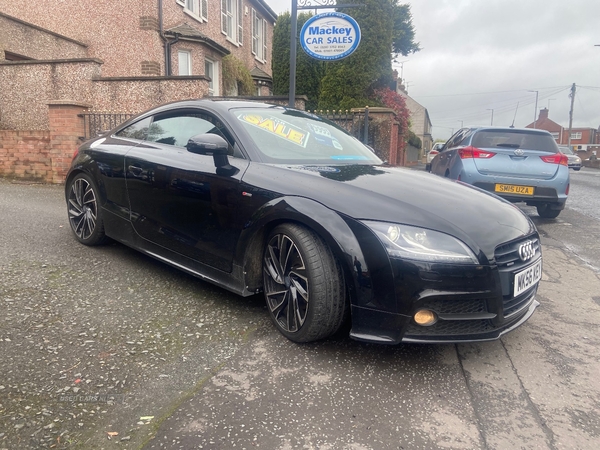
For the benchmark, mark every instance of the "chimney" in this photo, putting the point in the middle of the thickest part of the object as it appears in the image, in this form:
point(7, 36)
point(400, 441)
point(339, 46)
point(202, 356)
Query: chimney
point(543, 114)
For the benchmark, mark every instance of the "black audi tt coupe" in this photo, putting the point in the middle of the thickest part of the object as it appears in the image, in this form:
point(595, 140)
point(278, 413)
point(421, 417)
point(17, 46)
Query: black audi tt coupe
point(261, 198)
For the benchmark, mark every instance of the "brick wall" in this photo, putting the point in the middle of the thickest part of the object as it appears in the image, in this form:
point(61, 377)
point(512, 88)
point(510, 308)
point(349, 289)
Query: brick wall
point(25, 154)
point(43, 155)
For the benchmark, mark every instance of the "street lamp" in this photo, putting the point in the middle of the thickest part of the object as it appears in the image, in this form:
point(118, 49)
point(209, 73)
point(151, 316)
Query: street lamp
point(535, 112)
point(461, 123)
point(401, 69)
point(491, 121)
point(550, 100)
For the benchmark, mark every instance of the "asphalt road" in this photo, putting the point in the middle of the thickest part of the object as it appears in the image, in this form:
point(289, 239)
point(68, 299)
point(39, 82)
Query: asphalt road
point(106, 348)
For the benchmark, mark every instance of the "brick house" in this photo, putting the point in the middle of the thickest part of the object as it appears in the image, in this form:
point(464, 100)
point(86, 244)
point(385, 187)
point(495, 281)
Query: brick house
point(109, 55)
point(581, 138)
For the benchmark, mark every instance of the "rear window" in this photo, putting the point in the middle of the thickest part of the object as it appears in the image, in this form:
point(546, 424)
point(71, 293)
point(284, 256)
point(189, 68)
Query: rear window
point(515, 139)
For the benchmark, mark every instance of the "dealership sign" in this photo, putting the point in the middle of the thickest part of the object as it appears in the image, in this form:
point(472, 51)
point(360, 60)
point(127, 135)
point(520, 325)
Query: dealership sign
point(330, 36)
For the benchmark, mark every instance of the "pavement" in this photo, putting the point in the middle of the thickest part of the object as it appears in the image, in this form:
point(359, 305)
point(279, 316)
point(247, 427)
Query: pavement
point(105, 348)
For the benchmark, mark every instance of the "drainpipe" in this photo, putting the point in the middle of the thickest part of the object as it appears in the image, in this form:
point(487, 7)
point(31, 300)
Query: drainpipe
point(166, 43)
point(162, 36)
point(168, 46)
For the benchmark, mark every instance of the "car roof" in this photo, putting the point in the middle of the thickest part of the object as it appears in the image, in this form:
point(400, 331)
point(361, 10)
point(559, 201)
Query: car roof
point(510, 130)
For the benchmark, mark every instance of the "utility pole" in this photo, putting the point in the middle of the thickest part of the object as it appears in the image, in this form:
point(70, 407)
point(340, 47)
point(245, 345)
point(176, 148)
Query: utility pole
point(572, 95)
point(491, 121)
point(535, 111)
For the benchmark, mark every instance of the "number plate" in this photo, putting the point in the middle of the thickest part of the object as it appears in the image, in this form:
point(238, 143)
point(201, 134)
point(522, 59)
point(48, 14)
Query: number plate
point(514, 189)
point(527, 278)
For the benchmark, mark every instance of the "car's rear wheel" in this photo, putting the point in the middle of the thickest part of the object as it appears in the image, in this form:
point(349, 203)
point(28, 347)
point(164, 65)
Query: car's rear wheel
point(545, 212)
point(303, 284)
point(85, 215)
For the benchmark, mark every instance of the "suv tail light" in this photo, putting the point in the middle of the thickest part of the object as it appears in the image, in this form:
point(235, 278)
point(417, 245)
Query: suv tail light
point(433, 152)
point(474, 152)
point(557, 158)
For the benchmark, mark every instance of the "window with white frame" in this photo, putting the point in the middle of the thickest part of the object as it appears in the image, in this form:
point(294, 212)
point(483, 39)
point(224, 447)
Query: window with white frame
point(555, 136)
point(231, 20)
point(259, 37)
point(211, 70)
point(185, 62)
point(198, 9)
point(576, 135)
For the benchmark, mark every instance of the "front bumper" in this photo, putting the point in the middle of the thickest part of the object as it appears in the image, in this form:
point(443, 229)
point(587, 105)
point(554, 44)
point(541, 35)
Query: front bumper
point(472, 303)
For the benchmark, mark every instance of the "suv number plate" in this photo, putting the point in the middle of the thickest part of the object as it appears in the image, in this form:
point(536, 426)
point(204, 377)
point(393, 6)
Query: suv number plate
point(527, 278)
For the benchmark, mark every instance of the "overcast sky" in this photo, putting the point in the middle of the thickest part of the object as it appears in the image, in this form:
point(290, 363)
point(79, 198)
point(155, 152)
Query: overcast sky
point(484, 55)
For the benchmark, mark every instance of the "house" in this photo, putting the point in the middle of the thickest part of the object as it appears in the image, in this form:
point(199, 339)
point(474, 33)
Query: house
point(581, 138)
point(420, 123)
point(125, 56)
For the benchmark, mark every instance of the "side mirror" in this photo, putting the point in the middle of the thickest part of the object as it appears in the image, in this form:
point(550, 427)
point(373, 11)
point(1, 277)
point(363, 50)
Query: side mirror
point(215, 145)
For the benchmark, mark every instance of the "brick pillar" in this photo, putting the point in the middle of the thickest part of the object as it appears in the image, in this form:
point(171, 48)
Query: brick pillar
point(394, 137)
point(66, 127)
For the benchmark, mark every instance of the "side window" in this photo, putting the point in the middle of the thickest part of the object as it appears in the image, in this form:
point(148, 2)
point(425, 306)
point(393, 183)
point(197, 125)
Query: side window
point(176, 128)
point(457, 139)
point(138, 130)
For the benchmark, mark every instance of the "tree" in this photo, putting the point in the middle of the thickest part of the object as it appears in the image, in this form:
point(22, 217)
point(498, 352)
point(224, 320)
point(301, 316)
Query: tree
point(309, 71)
point(404, 31)
point(385, 26)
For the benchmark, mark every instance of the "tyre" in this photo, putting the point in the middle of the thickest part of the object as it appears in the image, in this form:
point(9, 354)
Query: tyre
point(547, 213)
point(85, 214)
point(303, 284)
point(577, 169)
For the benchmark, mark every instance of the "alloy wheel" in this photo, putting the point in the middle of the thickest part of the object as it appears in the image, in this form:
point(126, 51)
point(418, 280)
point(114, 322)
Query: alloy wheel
point(83, 208)
point(286, 283)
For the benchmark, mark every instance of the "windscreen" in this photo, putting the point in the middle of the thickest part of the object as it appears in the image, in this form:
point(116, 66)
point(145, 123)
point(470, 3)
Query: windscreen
point(515, 139)
point(285, 136)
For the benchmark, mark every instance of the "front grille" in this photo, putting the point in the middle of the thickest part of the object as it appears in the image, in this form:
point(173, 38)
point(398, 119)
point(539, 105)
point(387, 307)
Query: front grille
point(456, 306)
point(507, 255)
point(451, 328)
point(514, 305)
point(509, 263)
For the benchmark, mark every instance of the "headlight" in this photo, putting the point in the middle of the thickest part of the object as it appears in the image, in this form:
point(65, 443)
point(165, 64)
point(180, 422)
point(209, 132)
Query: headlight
point(408, 242)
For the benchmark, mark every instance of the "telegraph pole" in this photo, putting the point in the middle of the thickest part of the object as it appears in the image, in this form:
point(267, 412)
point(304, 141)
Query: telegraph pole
point(572, 95)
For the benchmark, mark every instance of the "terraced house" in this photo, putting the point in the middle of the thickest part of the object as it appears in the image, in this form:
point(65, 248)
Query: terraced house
point(59, 59)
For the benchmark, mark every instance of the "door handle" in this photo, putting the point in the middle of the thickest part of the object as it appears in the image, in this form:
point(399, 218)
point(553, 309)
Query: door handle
point(135, 170)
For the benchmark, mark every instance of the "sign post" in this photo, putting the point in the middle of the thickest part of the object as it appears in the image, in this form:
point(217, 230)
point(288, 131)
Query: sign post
point(313, 4)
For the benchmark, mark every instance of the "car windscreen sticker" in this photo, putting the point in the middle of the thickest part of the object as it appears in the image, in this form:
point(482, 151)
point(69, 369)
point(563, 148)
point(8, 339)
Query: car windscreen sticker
point(277, 127)
point(349, 157)
point(324, 137)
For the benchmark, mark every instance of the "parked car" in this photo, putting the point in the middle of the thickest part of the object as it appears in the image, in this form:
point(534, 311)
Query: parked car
point(435, 149)
point(519, 165)
point(574, 161)
point(260, 198)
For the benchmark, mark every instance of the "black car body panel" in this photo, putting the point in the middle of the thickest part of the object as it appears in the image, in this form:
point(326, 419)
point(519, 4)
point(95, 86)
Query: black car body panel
point(174, 205)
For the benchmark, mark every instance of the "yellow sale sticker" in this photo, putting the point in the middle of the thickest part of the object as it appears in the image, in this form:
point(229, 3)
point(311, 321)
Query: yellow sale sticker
point(277, 127)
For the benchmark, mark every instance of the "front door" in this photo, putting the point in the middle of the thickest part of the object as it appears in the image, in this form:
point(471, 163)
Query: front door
point(177, 199)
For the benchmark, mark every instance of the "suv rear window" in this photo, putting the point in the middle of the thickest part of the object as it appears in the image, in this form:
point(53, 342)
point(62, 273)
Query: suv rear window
point(515, 139)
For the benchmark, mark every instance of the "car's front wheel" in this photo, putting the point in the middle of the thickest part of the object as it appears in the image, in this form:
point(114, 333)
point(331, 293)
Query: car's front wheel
point(85, 215)
point(303, 284)
point(546, 212)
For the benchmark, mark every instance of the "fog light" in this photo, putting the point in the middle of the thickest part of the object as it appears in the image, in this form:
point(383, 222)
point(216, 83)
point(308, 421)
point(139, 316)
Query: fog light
point(425, 317)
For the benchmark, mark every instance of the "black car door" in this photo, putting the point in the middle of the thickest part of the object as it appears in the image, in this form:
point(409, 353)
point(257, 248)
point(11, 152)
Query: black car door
point(177, 199)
